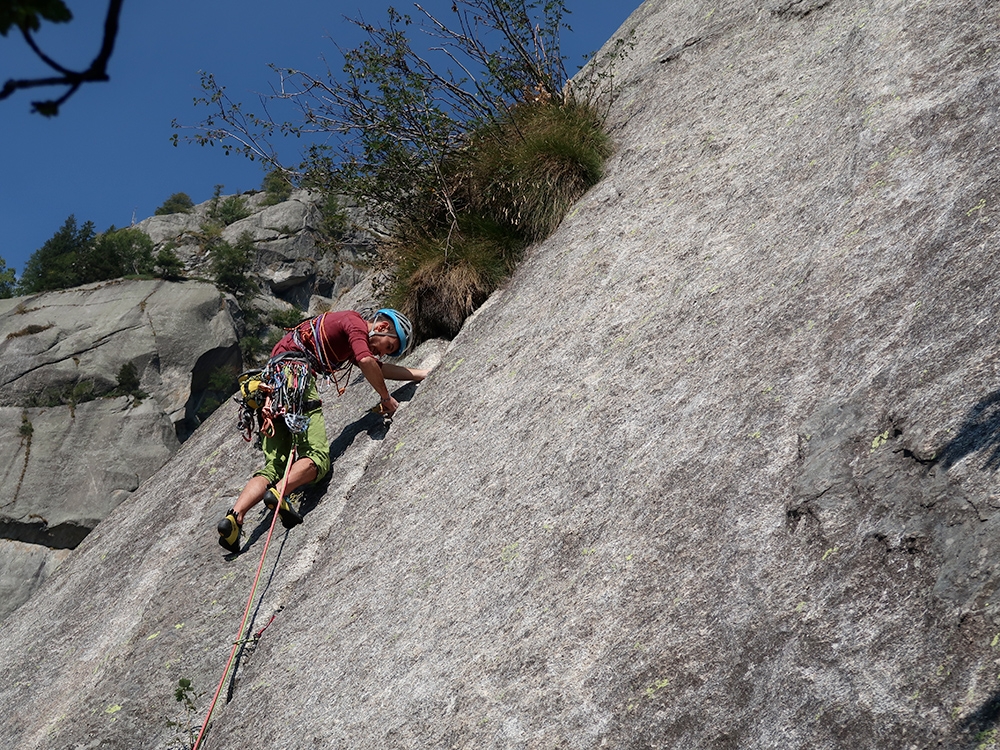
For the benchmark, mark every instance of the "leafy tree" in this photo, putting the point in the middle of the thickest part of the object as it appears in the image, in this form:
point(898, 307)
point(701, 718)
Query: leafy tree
point(26, 16)
point(213, 204)
point(393, 114)
point(128, 383)
point(178, 203)
point(277, 186)
point(55, 264)
point(225, 211)
point(167, 265)
point(8, 284)
point(74, 256)
point(286, 319)
point(128, 378)
point(232, 209)
point(231, 265)
point(466, 157)
point(115, 253)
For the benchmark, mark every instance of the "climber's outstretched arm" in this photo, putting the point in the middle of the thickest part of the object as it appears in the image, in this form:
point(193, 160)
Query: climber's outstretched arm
point(397, 372)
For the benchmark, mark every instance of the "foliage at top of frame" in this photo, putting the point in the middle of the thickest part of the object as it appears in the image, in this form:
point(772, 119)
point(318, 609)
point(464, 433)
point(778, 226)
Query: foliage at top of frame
point(461, 153)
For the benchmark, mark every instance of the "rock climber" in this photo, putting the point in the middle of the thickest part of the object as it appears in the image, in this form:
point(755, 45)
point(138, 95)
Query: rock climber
point(292, 413)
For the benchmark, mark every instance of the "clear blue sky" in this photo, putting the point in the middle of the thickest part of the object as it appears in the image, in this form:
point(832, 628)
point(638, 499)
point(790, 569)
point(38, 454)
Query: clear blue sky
point(108, 155)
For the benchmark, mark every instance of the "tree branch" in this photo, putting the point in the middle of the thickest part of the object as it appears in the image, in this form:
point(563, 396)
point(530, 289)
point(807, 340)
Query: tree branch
point(73, 79)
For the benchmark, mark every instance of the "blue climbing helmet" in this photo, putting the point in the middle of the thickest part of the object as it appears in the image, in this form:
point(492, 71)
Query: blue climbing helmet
point(403, 326)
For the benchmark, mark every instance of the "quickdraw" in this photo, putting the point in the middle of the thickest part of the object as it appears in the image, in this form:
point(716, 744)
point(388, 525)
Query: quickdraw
point(277, 391)
point(287, 379)
point(250, 399)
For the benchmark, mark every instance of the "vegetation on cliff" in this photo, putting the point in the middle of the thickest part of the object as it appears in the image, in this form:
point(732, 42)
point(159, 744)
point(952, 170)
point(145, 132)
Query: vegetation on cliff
point(8, 280)
point(77, 255)
point(463, 154)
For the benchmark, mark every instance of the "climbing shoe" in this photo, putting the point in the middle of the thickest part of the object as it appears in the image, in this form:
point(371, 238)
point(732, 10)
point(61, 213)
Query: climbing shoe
point(229, 532)
point(288, 515)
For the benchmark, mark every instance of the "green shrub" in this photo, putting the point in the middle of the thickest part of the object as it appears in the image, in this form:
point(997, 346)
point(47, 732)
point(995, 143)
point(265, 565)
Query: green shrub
point(55, 264)
point(128, 378)
point(167, 265)
point(232, 209)
point(226, 211)
point(83, 392)
point(277, 187)
point(334, 221)
point(116, 253)
point(286, 318)
point(221, 384)
point(8, 284)
point(209, 236)
point(464, 168)
point(272, 338)
point(213, 204)
point(26, 430)
point(128, 383)
point(252, 349)
point(231, 264)
point(178, 203)
point(187, 728)
point(47, 397)
point(440, 280)
point(29, 330)
point(526, 171)
point(74, 256)
point(511, 185)
point(69, 394)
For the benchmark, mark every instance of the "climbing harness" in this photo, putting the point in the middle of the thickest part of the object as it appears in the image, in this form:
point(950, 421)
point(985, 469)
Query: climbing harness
point(246, 612)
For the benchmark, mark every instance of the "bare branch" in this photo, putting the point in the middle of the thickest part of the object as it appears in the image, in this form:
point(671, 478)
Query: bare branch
point(72, 79)
point(42, 56)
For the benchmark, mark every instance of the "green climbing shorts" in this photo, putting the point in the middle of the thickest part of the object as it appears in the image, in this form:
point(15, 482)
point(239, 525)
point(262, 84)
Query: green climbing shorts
point(311, 444)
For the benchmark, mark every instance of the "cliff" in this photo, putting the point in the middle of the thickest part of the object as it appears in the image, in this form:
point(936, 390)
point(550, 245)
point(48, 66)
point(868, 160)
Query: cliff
point(72, 445)
point(715, 470)
point(70, 451)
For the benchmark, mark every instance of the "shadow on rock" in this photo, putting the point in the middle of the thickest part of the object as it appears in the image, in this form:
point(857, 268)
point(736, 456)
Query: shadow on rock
point(248, 644)
point(980, 431)
point(977, 725)
point(371, 423)
point(261, 529)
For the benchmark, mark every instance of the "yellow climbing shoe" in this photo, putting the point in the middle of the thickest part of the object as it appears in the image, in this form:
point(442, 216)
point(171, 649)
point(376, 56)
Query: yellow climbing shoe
point(288, 515)
point(229, 532)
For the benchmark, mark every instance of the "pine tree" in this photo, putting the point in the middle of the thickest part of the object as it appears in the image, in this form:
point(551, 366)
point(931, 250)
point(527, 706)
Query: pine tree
point(56, 264)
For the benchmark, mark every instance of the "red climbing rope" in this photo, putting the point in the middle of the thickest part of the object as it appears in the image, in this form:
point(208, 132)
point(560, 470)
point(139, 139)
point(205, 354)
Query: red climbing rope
point(246, 612)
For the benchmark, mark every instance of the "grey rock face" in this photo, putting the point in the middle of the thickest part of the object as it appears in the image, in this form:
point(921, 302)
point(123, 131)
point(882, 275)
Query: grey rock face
point(293, 259)
point(23, 567)
point(64, 467)
point(167, 227)
point(55, 341)
point(715, 470)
